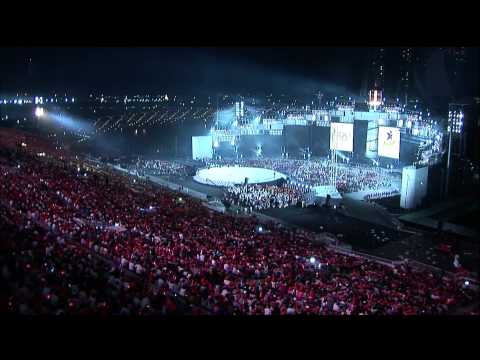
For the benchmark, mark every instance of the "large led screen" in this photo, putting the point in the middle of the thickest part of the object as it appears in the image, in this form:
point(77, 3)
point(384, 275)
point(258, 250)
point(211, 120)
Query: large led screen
point(389, 142)
point(341, 136)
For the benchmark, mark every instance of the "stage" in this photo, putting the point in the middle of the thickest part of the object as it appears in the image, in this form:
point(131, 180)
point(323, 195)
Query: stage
point(236, 175)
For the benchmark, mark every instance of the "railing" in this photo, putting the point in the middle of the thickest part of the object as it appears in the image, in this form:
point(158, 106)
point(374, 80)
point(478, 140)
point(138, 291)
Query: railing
point(383, 261)
point(179, 188)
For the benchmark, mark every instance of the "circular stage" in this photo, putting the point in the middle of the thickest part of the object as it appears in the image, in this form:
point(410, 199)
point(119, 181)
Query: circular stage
point(235, 175)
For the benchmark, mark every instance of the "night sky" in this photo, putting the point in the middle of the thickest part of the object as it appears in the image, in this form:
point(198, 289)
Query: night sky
point(203, 72)
point(183, 70)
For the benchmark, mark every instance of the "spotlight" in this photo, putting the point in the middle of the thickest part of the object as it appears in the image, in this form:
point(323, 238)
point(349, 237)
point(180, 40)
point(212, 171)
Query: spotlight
point(39, 112)
point(260, 229)
point(312, 260)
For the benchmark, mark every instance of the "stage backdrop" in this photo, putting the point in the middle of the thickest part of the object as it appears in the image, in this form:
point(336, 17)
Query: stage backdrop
point(360, 129)
point(321, 141)
point(271, 145)
point(296, 138)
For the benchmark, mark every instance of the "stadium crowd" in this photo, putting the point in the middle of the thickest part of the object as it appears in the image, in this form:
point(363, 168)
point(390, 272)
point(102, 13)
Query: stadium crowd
point(92, 242)
point(380, 195)
point(161, 168)
point(261, 197)
point(351, 178)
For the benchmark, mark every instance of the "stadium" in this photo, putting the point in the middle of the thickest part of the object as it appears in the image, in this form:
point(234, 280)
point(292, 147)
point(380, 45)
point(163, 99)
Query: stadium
point(158, 205)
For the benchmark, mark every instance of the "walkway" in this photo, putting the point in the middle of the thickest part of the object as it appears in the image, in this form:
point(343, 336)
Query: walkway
point(427, 217)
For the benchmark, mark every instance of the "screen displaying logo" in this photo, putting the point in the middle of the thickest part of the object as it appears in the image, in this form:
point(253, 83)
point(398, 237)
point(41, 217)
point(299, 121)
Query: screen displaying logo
point(389, 142)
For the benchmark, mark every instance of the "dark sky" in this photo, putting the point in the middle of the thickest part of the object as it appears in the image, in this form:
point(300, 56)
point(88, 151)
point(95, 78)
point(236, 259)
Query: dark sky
point(183, 70)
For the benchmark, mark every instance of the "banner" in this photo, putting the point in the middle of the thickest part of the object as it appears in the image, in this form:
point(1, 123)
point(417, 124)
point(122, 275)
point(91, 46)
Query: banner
point(389, 142)
point(341, 136)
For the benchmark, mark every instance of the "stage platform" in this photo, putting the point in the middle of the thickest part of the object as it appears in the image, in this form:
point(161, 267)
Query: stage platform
point(236, 175)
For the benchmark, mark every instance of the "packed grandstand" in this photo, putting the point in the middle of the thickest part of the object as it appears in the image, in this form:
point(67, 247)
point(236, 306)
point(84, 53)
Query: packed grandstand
point(81, 238)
